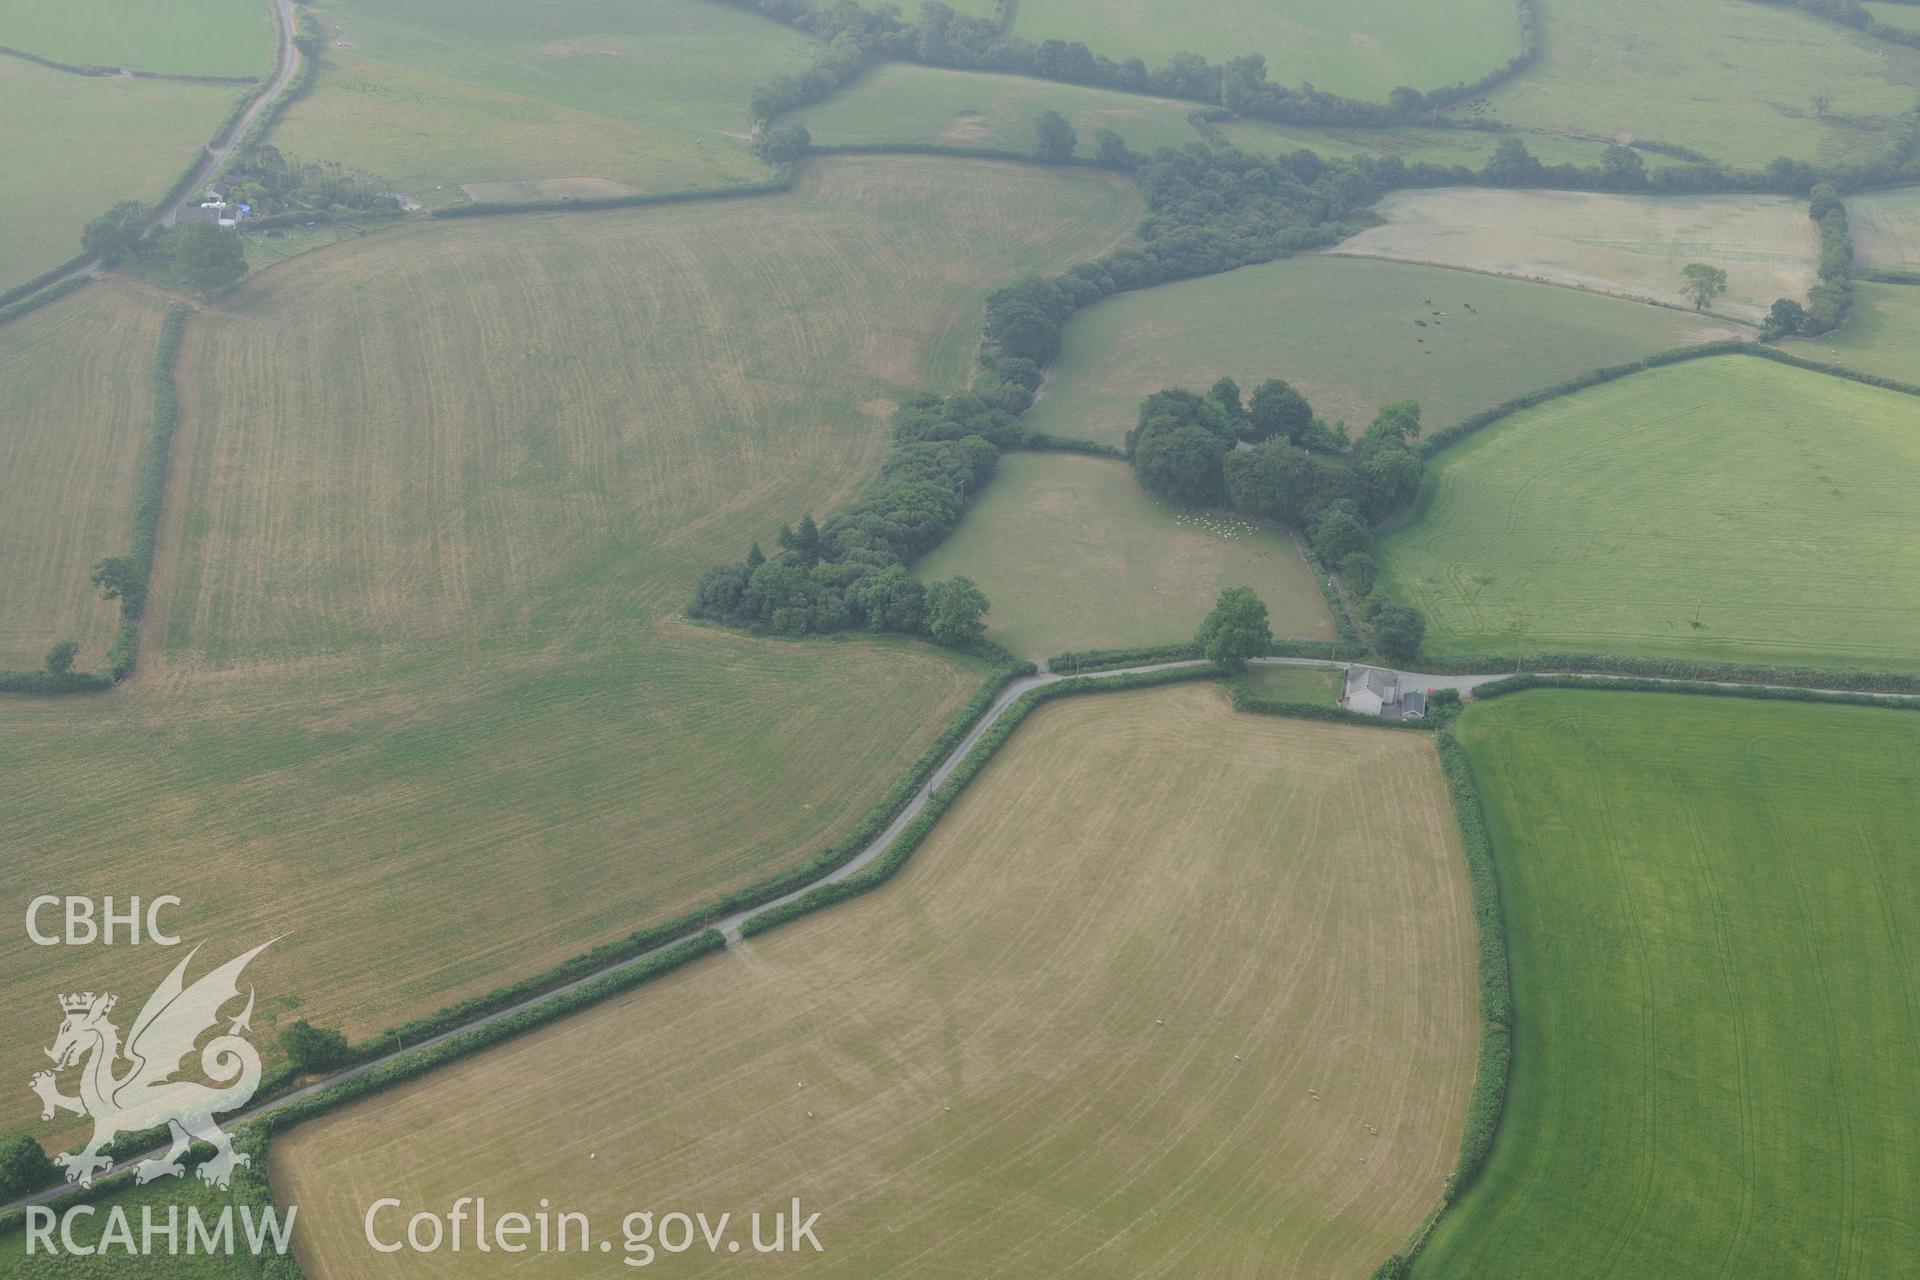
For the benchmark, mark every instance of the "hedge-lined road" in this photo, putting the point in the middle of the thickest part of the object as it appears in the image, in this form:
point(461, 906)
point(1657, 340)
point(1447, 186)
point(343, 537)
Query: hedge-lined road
point(221, 150)
point(730, 925)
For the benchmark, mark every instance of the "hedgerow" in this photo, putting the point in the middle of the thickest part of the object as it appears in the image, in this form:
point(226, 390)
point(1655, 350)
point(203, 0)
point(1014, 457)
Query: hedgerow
point(587, 204)
point(1496, 982)
point(1040, 441)
point(834, 856)
point(1449, 436)
point(1680, 669)
point(884, 867)
point(1627, 684)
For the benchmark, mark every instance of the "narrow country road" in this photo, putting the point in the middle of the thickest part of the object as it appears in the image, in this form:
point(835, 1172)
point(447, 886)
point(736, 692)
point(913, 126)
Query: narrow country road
point(730, 925)
point(221, 150)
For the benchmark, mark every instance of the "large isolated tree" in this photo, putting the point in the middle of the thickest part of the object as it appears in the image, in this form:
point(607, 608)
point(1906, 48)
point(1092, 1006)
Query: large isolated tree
point(1703, 284)
point(1236, 630)
point(1053, 137)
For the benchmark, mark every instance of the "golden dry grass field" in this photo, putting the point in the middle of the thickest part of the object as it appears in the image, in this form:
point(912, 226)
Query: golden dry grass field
point(1632, 246)
point(1081, 1034)
point(1074, 554)
point(416, 685)
point(75, 406)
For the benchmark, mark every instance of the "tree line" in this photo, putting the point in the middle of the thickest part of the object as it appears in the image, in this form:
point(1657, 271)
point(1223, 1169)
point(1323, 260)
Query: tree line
point(941, 37)
point(1829, 301)
point(1298, 471)
point(1207, 211)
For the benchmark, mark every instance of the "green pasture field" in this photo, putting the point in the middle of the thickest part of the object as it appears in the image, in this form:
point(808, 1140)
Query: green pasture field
point(605, 96)
point(1896, 15)
point(80, 144)
point(1322, 685)
point(1344, 331)
point(180, 37)
point(1363, 48)
point(1732, 80)
point(75, 407)
point(1885, 226)
point(1722, 509)
point(1709, 905)
point(1627, 245)
point(1169, 991)
point(1074, 554)
point(901, 102)
point(1881, 336)
point(416, 682)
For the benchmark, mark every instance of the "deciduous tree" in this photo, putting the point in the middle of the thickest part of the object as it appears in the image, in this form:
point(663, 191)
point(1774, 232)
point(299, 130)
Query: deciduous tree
point(1703, 284)
point(1236, 630)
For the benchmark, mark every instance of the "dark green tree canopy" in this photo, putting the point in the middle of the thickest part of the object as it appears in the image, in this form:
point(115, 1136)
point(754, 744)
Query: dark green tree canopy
point(1398, 632)
point(956, 611)
point(210, 257)
point(60, 657)
point(1236, 630)
point(1054, 138)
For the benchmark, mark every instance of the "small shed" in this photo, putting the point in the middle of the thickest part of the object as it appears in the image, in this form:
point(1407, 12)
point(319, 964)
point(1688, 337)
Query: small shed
point(1413, 704)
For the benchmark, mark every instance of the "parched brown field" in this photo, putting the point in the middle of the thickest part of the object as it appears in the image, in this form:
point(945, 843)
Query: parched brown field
point(75, 406)
point(416, 687)
point(1886, 228)
point(1633, 246)
point(1080, 1035)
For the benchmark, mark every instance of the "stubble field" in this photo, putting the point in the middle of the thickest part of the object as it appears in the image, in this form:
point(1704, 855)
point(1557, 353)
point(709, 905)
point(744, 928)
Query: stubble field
point(1074, 554)
point(77, 405)
point(416, 684)
point(1080, 1035)
point(606, 96)
point(1720, 509)
point(1352, 334)
point(1631, 246)
point(1709, 902)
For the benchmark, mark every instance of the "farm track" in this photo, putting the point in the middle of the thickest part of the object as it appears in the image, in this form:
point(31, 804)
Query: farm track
point(730, 925)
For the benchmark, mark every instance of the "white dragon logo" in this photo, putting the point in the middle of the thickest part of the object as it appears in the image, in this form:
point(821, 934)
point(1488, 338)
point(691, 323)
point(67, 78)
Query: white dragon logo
point(146, 1094)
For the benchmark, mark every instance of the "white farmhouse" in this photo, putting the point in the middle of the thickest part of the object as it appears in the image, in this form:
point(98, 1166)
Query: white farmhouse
point(1370, 691)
